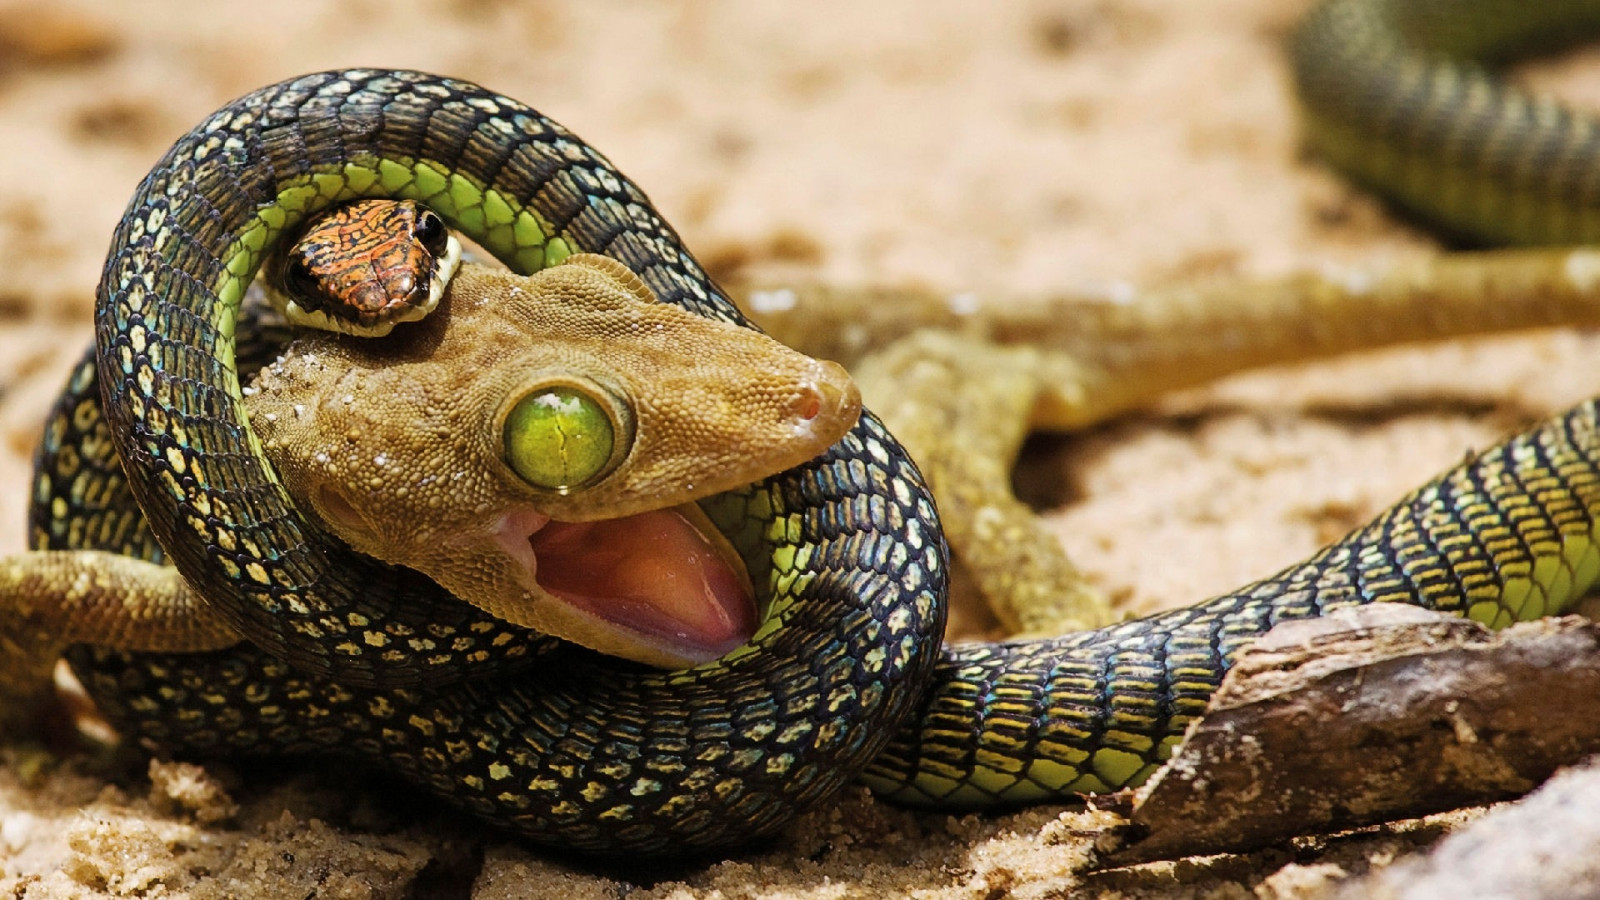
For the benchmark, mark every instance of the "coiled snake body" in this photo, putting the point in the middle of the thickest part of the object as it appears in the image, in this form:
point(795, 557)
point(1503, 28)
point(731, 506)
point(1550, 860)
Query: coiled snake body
point(560, 745)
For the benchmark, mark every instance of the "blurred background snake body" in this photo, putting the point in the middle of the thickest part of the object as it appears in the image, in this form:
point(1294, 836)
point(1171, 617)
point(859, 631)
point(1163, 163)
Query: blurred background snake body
point(845, 679)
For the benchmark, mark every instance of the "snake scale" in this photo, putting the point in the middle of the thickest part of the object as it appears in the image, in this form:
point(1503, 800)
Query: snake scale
point(846, 681)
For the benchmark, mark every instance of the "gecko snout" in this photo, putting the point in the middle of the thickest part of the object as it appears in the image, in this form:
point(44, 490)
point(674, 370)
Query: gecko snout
point(826, 401)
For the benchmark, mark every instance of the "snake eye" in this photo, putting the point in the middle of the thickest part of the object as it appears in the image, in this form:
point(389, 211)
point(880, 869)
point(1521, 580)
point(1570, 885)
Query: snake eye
point(298, 280)
point(561, 437)
point(430, 231)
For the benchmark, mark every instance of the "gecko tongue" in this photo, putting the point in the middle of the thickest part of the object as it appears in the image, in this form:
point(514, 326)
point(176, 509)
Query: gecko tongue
point(667, 575)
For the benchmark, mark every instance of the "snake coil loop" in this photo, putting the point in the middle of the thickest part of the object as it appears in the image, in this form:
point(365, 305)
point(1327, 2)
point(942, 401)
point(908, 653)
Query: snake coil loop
point(711, 756)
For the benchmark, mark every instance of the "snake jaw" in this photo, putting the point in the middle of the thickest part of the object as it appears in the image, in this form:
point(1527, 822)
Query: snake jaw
point(662, 587)
point(396, 300)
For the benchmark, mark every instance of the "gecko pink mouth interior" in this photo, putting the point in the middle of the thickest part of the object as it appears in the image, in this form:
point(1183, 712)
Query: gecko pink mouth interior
point(655, 574)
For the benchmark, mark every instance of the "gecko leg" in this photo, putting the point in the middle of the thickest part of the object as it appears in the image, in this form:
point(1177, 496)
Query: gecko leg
point(962, 383)
point(50, 599)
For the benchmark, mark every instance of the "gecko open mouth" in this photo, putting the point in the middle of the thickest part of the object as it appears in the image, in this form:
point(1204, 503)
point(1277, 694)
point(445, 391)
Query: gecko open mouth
point(665, 577)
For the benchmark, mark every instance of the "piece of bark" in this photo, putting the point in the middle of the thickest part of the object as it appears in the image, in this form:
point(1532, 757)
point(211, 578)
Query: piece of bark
point(1374, 714)
point(1544, 847)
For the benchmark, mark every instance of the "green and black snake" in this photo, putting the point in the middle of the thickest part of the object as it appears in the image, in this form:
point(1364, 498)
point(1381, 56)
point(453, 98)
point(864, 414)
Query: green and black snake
point(570, 750)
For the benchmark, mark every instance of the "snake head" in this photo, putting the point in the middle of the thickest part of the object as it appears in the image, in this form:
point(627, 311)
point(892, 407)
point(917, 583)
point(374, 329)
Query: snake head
point(364, 267)
point(537, 444)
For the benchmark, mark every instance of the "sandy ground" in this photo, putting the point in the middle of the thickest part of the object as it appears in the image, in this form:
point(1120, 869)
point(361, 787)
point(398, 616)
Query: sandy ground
point(1033, 145)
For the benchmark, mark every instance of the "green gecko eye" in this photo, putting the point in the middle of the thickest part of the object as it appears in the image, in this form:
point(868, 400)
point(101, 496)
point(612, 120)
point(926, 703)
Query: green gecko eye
point(560, 437)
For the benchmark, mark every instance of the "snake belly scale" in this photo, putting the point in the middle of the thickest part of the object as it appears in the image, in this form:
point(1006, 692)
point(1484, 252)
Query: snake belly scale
point(579, 754)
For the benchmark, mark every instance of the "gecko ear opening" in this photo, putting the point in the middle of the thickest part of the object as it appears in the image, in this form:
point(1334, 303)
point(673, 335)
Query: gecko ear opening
point(337, 510)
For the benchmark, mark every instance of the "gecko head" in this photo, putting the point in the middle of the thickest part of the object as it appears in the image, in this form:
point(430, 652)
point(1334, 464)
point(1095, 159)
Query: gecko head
point(537, 445)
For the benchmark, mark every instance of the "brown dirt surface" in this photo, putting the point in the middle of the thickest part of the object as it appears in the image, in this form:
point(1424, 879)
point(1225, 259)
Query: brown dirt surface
point(994, 149)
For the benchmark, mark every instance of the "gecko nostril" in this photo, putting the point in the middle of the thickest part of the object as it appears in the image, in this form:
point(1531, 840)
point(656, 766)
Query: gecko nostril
point(807, 403)
point(823, 397)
